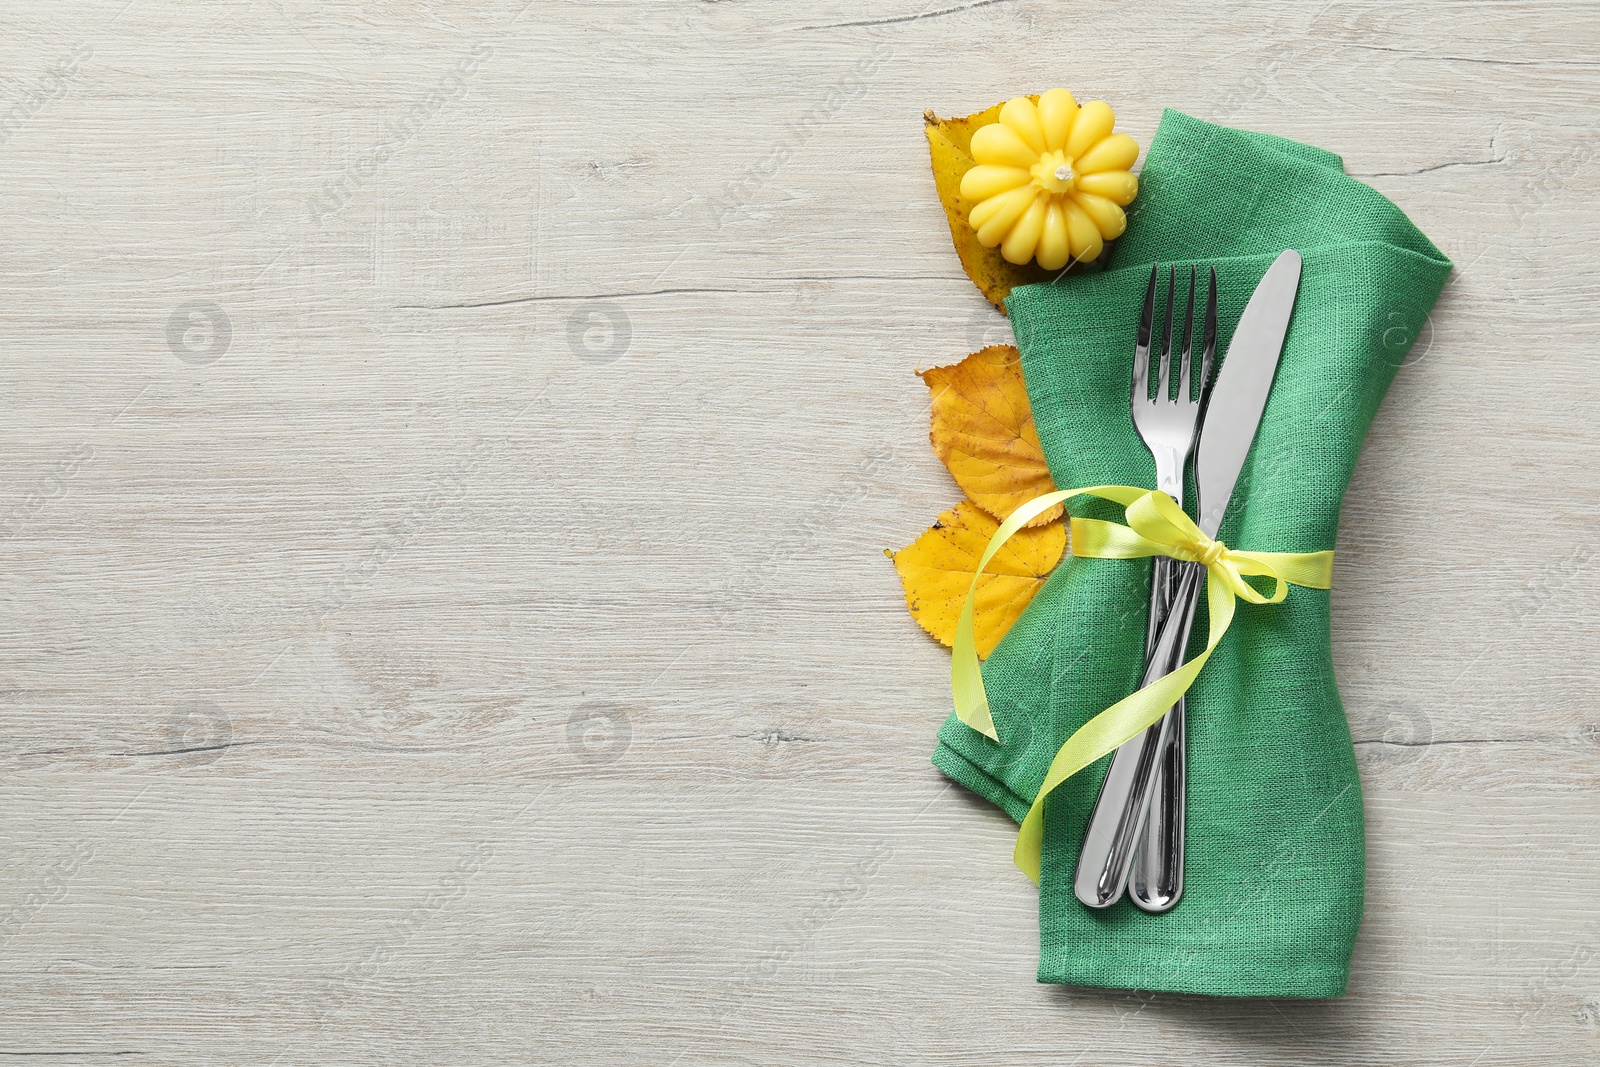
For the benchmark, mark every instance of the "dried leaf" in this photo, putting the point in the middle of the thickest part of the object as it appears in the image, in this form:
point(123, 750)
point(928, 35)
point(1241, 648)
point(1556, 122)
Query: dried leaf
point(982, 428)
point(936, 570)
point(949, 146)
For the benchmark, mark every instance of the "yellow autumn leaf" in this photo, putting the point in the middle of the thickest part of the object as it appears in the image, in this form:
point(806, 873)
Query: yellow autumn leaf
point(982, 428)
point(950, 148)
point(936, 569)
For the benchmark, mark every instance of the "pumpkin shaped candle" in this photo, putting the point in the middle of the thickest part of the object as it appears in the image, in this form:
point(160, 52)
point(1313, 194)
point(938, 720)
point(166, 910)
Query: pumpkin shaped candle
point(1051, 180)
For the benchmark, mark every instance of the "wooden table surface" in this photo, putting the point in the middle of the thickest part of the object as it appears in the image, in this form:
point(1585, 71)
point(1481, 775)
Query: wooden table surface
point(448, 453)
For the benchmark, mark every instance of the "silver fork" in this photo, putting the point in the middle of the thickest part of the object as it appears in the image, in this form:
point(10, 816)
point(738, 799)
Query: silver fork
point(1156, 881)
point(1167, 423)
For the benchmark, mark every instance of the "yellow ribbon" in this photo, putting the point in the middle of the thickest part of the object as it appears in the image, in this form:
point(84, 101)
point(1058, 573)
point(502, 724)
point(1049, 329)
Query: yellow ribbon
point(1157, 526)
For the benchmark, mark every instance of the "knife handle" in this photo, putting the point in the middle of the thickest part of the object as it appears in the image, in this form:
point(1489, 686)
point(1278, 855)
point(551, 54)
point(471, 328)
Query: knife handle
point(1124, 802)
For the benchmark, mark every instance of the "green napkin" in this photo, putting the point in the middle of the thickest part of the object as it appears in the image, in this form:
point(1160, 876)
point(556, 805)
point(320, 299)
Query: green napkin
point(1276, 857)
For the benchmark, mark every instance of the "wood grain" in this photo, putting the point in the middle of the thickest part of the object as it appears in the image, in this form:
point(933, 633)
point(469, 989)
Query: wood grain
point(449, 450)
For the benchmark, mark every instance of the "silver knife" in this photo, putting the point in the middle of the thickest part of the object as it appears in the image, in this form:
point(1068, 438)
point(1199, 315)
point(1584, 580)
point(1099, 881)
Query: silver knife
point(1233, 411)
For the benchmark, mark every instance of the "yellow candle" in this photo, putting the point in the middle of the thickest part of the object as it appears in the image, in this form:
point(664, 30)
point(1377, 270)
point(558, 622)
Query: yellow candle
point(1051, 180)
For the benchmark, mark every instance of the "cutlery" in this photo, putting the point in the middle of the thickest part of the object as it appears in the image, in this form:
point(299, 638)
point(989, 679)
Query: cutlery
point(1156, 883)
point(1233, 407)
point(1167, 424)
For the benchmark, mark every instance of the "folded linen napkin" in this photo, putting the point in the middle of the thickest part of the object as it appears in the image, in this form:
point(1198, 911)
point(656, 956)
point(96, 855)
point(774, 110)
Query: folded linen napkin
point(1276, 855)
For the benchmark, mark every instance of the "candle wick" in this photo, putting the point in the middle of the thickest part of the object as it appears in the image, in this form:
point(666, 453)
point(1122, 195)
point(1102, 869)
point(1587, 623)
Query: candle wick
point(1063, 173)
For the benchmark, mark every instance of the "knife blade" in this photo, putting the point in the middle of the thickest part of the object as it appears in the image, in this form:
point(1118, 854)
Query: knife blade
point(1239, 395)
point(1233, 408)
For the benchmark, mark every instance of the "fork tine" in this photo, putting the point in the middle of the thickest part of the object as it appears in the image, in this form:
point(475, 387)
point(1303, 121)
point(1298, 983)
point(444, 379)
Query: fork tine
point(1164, 386)
point(1141, 350)
point(1208, 341)
point(1185, 393)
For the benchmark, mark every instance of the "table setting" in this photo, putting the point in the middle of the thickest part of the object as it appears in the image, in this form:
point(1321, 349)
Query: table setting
point(1202, 348)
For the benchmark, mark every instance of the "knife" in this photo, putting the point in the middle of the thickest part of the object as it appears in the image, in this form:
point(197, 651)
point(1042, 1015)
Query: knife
point(1233, 409)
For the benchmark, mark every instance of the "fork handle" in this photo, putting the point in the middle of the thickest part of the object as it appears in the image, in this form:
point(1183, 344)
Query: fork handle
point(1120, 811)
point(1156, 881)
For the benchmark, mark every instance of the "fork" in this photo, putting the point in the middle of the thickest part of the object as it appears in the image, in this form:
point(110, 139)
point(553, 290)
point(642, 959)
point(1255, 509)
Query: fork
point(1156, 881)
point(1167, 423)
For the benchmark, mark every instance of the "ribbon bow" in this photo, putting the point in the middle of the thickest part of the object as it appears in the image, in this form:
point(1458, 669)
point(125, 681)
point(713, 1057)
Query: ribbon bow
point(1157, 526)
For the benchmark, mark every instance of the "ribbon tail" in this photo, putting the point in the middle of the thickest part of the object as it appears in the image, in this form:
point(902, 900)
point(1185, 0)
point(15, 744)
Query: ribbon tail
point(966, 675)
